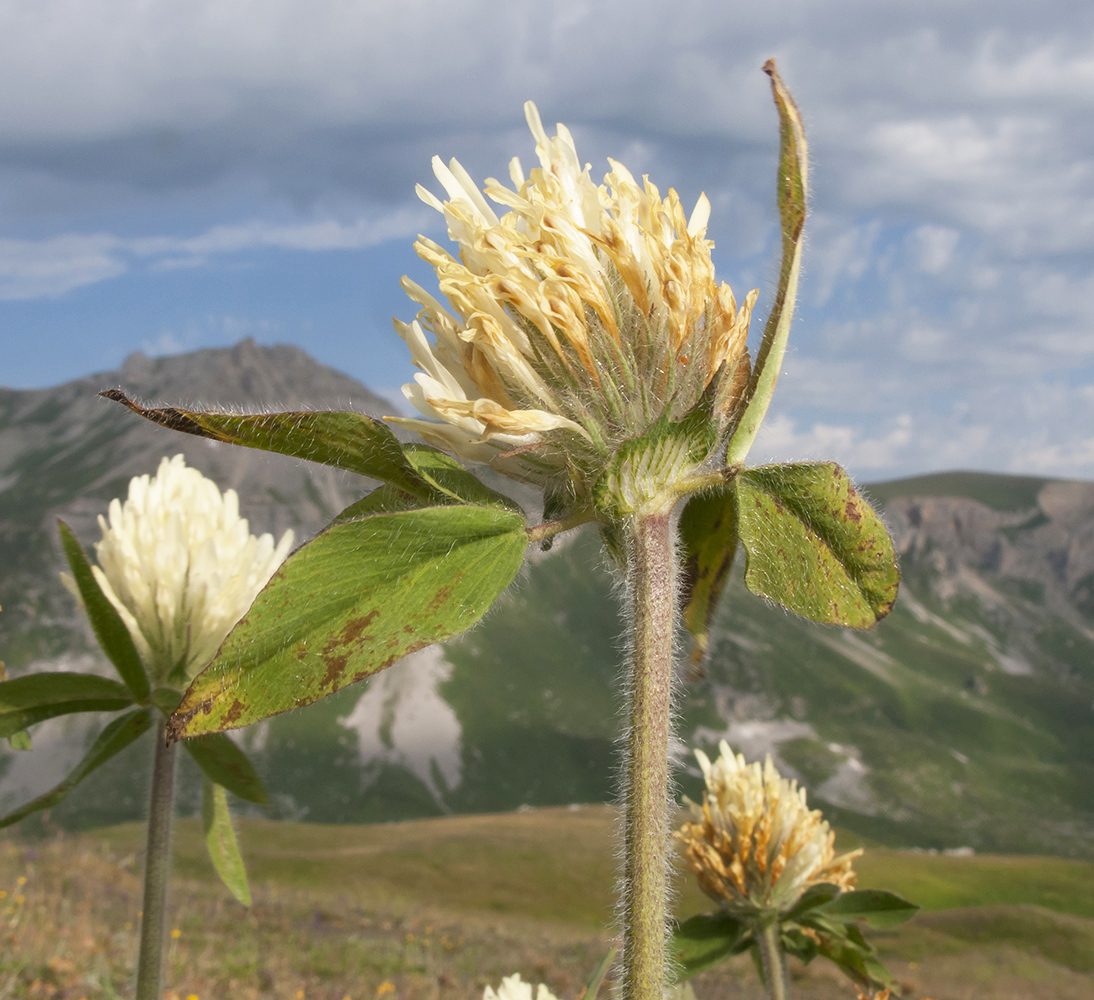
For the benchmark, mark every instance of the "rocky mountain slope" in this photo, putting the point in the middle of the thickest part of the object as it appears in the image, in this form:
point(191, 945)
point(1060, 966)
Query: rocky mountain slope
point(965, 718)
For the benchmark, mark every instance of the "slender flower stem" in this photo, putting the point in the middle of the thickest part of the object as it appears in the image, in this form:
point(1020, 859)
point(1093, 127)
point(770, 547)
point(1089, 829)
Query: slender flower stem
point(652, 593)
point(157, 864)
point(774, 961)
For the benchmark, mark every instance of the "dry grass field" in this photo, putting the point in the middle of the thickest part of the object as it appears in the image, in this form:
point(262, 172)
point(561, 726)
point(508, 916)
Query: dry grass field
point(437, 909)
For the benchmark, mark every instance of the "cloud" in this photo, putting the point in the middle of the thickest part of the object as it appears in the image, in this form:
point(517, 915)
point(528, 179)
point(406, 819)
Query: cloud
point(32, 269)
point(949, 274)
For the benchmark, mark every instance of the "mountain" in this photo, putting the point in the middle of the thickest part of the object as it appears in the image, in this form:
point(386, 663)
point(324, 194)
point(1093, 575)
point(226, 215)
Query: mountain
point(966, 718)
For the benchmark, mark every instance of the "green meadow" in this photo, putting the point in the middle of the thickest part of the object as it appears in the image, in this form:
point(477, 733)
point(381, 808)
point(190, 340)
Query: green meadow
point(442, 907)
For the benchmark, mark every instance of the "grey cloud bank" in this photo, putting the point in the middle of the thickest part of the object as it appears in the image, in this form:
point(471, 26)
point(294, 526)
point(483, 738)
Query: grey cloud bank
point(947, 316)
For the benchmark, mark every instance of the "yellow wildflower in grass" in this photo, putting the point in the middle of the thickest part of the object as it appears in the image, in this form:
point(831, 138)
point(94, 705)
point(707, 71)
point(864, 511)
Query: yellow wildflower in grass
point(181, 567)
point(176, 934)
point(578, 317)
point(754, 845)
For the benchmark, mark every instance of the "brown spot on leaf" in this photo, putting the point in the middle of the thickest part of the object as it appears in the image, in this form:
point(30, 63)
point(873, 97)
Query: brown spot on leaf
point(443, 595)
point(355, 627)
point(851, 511)
point(233, 713)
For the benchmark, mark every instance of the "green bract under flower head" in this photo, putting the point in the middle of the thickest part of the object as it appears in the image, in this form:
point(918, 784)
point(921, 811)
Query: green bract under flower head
point(181, 567)
point(576, 320)
point(754, 845)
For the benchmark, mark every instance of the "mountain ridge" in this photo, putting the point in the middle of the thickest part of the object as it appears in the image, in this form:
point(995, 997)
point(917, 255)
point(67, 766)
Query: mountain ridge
point(968, 711)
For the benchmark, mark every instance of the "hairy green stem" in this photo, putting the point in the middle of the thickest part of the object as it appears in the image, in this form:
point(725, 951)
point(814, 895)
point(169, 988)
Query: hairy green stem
point(652, 591)
point(774, 961)
point(157, 864)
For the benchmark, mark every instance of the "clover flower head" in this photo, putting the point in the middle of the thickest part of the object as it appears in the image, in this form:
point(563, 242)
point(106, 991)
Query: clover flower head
point(576, 318)
point(181, 567)
point(754, 845)
point(514, 988)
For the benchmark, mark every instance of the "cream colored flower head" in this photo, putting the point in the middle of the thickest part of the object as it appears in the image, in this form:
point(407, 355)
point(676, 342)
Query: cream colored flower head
point(577, 316)
point(514, 988)
point(754, 844)
point(181, 567)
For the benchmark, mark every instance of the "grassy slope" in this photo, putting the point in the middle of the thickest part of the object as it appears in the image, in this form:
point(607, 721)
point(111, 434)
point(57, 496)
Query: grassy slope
point(443, 906)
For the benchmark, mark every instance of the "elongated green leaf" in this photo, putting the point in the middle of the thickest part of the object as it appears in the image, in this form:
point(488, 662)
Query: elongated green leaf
point(814, 545)
point(856, 957)
point(792, 191)
point(165, 699)
point(346, 440)
point(796, 942)
point(814, 896)
point(877, 907)
point(452, 480)
point(225, 764)
point(109, 628)
point(592, 987)
point(27, 700)
point(706, 940)
point(708, 534)
point(221, 843)
point(350, 603)
point(111, 741)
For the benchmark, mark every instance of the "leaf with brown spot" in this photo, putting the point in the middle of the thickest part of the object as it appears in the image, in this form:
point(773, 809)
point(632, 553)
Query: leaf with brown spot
point(354, 600)
point(814, 545)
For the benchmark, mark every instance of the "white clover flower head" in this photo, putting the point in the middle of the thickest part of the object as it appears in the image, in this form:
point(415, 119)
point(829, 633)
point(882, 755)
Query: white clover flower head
point(181, 567)
point(576, 319)
point(754, 844)
point(514, 988)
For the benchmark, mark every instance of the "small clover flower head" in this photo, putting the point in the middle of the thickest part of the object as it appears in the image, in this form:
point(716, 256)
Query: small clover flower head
point(181, 567)
point(514, 988)
point(754, 845)
point(577, 318)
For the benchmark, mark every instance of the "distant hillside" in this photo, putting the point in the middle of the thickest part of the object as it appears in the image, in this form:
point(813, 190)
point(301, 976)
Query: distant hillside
point(965, 718)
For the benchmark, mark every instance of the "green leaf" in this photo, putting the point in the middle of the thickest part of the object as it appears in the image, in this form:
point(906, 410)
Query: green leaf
point(856, 958)
point(346, 440)
point(706, 940)
point(792, 191)
point(708, 535)
point(225, 764)
point(19, 740)
point(877, 907)
point(165, 699)
point(799, 944)
point(814, 545)
point(351, 602)
point(107, 624)
point(111, 741)
point(814, 896)
point(452, 480)
point(592, 987)
point(30, 699)
point(382, 500)
point(220, 841)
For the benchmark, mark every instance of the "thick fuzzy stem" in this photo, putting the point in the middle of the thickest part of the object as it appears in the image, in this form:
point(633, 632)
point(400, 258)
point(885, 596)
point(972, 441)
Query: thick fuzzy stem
point(774, 961)
point(157, 864)
point(652, 592)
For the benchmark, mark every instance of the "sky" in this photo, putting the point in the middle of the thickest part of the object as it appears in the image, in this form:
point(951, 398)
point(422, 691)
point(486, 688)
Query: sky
point(179, 176)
